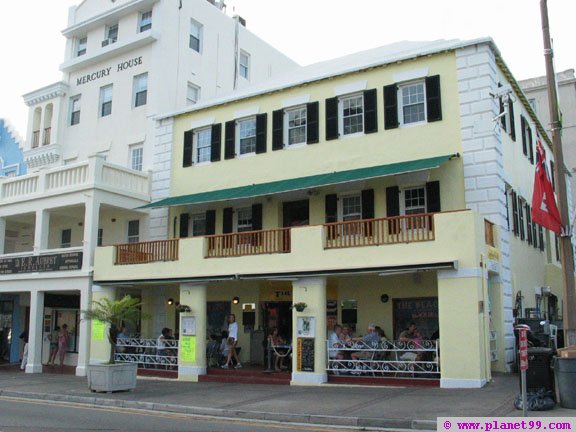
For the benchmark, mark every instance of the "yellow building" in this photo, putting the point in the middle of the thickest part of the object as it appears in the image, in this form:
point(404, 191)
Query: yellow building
point(386, 187)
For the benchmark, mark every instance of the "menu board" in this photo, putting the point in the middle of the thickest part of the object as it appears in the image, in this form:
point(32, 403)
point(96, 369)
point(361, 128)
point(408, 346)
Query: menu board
point(305, 354)
point(423, 311)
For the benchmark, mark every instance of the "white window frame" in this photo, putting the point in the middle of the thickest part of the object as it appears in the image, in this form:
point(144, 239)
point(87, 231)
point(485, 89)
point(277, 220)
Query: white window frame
point(196, 33)
point(81, 46)
point(403, 198)
point(137, 157)
point(139, 88)
point(287, 113)
point(64, 245)
point(134, 238)
point(401, 103)
point(243, 227)
point(244, 66)
point(197, 218)
point(75, 107)
point(342, 101)
point(239, 138)
point(145, 21)
point(342, 198)
point(110, 38)
point(104, 99)
point(206, 135)
point(192, 87)
point(100, 237)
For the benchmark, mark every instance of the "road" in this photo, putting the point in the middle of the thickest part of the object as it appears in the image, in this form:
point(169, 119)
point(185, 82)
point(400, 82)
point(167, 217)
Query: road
point(40, 416)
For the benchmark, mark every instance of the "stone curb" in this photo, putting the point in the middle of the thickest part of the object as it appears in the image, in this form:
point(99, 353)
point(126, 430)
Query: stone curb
point(358, 422)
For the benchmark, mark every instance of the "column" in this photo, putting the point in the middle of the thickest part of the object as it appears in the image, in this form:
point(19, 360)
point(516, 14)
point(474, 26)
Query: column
point(309, 324)
point(34, 364)
point(41, 230)
point(192, 351)
point(463, 336)
point(91, 222)
point(2, 234)
point(84, 333)
point(99, 344)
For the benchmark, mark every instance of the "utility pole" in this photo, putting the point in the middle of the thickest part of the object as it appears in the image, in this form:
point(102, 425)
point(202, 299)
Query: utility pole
point(566, 251)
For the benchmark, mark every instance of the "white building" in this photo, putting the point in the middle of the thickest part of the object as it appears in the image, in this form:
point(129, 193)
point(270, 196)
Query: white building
point(89, 147)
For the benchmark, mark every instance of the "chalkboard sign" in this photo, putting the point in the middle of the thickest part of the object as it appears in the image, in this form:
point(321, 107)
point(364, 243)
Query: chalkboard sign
point(305, 355)
point(422, 310)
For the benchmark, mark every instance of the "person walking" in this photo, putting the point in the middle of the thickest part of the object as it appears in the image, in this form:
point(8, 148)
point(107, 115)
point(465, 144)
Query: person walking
point(53, 346)
point(63, 336)
point(24, 338)
point(232, 341)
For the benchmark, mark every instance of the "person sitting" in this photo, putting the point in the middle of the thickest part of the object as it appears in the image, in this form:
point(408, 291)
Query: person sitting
point(279, 353)
point(370, 342)
point(411, 338)
point(346, 335)
point(335, 341)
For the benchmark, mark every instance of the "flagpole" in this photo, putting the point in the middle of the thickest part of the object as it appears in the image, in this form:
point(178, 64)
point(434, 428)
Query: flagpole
point(566, 251)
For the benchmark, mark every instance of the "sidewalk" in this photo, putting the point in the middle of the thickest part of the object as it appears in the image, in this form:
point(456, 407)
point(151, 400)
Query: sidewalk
point(385, 407)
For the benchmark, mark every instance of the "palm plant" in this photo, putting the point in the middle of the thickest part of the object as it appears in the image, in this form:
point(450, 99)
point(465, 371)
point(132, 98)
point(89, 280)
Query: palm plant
point(115, 313)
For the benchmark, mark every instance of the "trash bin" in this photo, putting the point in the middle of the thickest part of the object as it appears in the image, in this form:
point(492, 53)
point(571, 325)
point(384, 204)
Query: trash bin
point(565, 372)
point(539, 374)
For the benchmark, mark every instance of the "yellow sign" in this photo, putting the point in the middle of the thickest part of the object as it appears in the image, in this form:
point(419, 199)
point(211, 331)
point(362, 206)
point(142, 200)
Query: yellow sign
point(98, 330)
point(188, 349)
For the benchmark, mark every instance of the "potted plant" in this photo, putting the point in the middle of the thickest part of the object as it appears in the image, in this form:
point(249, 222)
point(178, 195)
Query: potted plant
point(110, 377)
point(300, 306)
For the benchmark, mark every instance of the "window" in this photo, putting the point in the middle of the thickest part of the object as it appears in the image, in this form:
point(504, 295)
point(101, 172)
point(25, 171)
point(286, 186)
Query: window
point(11, 172)
point(81, 48)
point(295, 126)
point(66, 238)
point(351, 114)
point(100, 236)
point(244, 219)
point(202, 145)
point(192, 94)
point(351, 207)
point(106, 100)
point(244, 65)
point(136, 157)
point(532, 102)
point(145, 21)
point(140, 89)
point(414, 201)
point(412, 103)
point(111, 35)
point(195, 36)
point(246, 136)
point(133, 231)
point(74, 110)
point(198, 224)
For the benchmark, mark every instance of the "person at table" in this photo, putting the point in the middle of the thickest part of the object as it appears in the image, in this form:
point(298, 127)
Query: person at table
point(335, 342)
point(277, 342)
point(411, 337)
point(370, 341)
point(346, 335)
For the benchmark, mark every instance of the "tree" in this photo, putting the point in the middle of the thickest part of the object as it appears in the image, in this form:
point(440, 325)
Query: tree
point(115, 313)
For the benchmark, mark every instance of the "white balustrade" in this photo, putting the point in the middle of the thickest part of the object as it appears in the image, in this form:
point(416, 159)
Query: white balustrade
point(125, 179)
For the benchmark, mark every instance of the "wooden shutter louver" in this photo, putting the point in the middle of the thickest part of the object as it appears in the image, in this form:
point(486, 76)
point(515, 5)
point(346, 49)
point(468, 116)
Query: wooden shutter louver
point(188, 146)
point(278, 130)
point(331, 118)
point(230, 140)
point(391, 106)
point(216, 144)
point(312, 125)
point(261, 131)
point(370, 111)
point(433, 99)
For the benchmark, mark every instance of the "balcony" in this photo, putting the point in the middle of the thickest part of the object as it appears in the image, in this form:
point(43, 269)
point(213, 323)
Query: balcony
point(396, 242)
point(147, 252)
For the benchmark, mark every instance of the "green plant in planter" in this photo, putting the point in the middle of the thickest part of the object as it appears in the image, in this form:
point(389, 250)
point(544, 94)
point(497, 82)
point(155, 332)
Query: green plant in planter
point(300, 306)
point(115, 313)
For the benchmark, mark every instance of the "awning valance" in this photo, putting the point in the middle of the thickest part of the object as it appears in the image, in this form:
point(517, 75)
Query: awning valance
point(302, 183)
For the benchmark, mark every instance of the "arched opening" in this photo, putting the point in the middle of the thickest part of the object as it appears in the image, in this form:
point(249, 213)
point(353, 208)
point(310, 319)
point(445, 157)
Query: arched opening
point(36, 127)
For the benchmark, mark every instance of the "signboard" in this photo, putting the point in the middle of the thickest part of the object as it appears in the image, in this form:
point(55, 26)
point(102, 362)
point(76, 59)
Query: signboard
point(188, 349)
point(423, 311)
point(306, 326)
point(305, 359)
point(523, 349)
point(41, 263)
point(98, 330)
point(189, 326)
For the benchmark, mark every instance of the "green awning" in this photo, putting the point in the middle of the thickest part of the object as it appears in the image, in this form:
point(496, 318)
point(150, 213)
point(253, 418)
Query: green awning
point(301, 183)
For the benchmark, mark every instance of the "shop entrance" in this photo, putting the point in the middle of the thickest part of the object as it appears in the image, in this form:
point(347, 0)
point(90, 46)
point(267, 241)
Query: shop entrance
point(6, 313)
point(278, 314)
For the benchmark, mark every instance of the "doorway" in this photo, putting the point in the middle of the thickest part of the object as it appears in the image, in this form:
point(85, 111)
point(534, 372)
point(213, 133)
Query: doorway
point(279, 315)
point(296, 213)
point(6, 314)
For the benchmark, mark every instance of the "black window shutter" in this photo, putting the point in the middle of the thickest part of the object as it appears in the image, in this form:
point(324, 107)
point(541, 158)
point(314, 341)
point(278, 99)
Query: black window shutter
point(331, 208)
point(530, 145)
point(502, 117)
point(433, 197)
point(392, 201)
point(184, 222)
point(534, 233)
point(261, 131)
point(370, 111)
point(312, 135)
point(230, 140)
point(227, 220)
point(524, 137)
point(216, 145)
point(552, 177)
point(512, 122)
point(256, 217)
point(188, 143)
point(515, 213)
point(278, 130)
point(368, 204)
point(521, 218)
point(528, 224)
point(210, 222)
point(331, 118)
point(391, 106)
point(433, 99)
point(541, 237)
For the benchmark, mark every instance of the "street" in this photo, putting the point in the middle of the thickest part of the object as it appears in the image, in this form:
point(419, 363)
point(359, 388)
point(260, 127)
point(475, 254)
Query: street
point(24, 415)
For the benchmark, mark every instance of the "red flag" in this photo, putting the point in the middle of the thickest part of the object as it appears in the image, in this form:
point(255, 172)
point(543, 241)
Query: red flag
point(544, 210)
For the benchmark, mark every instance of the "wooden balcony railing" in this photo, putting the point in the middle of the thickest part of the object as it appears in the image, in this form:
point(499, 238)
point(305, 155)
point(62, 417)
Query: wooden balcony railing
point(371, 232)
point(46, 139)
point(35, 138)
point(147, 252)
point(249, 243)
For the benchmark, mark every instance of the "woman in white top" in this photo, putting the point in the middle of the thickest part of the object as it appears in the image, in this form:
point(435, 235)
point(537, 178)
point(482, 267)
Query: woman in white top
point(232, 341)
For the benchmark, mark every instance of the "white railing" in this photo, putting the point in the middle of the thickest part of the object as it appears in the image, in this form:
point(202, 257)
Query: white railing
point(125, 179)
point(145, 352)
point(75, 175)
point(403, 359)
point(20, 186)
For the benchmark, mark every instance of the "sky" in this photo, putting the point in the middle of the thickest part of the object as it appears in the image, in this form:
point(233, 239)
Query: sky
point(308, 31)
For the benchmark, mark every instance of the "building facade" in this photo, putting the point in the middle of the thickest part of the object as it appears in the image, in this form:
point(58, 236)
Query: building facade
point(90, 140)
point(388, 186)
